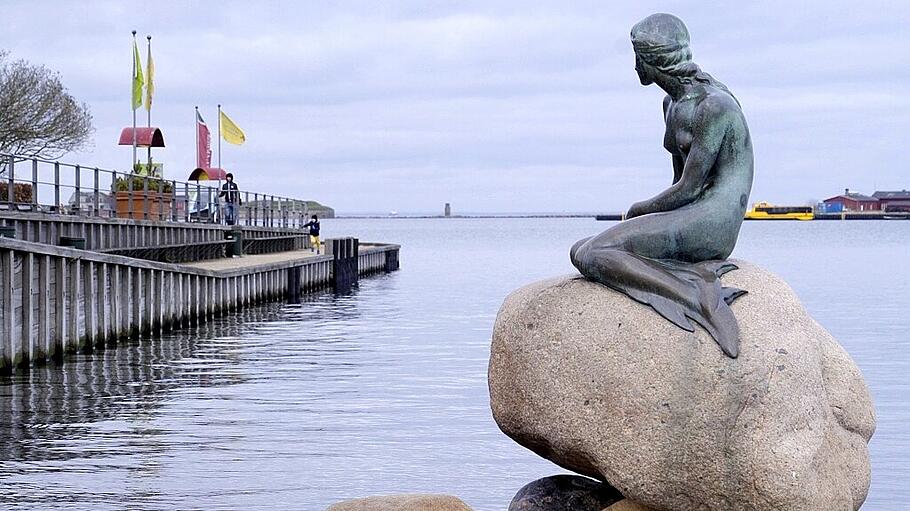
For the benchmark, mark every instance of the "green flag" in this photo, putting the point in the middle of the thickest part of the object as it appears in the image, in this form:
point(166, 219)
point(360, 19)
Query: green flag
point(138, 82)
point(150, 76)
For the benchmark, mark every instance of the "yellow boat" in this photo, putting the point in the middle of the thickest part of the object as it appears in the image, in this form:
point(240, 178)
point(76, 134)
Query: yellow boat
point(765, 211)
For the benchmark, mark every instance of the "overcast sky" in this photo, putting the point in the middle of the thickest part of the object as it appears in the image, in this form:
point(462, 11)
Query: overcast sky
point(516, 106)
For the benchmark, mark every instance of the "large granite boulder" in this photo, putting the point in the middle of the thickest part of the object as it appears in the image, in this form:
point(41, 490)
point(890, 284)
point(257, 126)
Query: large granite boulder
point(602, 385)
point(564, 493)
point(403, 502)
point(627, 505)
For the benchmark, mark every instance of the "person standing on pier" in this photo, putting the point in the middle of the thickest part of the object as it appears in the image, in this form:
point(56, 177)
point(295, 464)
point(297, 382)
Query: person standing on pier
point(313, 224)
point(231, 195)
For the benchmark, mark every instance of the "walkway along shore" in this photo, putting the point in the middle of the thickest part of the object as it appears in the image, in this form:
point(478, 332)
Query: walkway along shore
point(78, 275)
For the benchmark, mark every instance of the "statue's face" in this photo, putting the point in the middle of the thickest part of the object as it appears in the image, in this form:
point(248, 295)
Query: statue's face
point(644, 71)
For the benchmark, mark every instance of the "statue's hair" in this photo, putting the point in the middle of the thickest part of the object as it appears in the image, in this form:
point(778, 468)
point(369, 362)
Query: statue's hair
point(662, 41)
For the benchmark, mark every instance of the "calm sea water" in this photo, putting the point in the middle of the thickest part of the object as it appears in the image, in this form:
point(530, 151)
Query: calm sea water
point(384, 390)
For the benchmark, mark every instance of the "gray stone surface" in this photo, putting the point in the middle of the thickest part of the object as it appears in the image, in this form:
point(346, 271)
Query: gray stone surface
point(596, 383)
point(627, 505)
point(405, 502)
point(564, 493)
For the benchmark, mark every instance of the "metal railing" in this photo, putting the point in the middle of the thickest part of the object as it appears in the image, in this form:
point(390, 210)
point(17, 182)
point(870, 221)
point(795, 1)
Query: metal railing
point(46, 186)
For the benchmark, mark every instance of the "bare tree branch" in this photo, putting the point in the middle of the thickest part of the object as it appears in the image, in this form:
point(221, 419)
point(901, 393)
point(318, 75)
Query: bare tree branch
point(38, 117)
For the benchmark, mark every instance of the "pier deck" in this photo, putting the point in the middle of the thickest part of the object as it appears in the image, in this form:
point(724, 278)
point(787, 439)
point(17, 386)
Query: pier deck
point(248, 261)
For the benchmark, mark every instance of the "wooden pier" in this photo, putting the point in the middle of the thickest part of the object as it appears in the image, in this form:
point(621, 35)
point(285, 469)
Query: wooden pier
point(57, 300)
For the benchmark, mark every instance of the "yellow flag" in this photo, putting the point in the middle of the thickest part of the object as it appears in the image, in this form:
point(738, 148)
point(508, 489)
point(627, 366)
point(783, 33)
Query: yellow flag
point(150, 85)
point(230, 131)
point(138, 82)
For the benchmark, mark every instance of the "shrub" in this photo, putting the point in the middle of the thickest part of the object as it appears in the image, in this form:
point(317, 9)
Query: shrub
point(22, 192)
point(155, 185)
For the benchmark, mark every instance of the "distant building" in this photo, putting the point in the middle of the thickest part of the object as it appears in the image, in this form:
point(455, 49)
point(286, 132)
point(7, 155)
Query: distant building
point(448, 210)
point(87, 203)
point(851, 201)
point(893, 200)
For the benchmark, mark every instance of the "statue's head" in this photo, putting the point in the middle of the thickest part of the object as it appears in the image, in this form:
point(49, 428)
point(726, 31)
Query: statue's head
point(661, 44)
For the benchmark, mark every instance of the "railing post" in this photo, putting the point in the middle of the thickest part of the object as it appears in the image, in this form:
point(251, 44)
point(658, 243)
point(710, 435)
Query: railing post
point(77, 205)
point(199, 199)
point(173, 201)
point(246, 202)
point(11, 182)
point(97, 191)
point(57, 186)
point(186, 201)
point(113, 202)
point(160, 197)
point(256, 208)
point(35, 183)
point(129, 185)
point(271, 211)
point(145, 197)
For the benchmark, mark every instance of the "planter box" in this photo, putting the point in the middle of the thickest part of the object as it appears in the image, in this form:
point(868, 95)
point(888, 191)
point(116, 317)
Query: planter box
point(22, 192)
point(153, 201)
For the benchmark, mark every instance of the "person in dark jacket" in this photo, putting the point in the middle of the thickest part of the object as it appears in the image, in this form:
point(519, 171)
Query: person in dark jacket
point(313, 224)
point(231, 194)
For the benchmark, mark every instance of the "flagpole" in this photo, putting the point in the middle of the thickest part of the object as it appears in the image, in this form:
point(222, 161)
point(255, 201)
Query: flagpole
point(149, 106)
point(196, 125)
point(219, 136)
point(219, 164)
point(133, 163)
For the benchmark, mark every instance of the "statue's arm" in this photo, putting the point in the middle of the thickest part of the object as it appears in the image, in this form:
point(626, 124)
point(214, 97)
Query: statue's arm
point(711, 125)
point(677, 160)
point(678, 165)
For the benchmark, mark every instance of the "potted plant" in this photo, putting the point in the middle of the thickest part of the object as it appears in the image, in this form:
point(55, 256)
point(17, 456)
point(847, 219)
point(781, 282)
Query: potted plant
point(151, 196)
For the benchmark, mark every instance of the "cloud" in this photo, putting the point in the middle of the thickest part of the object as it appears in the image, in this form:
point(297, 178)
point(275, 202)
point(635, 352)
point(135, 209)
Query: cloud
point(506, 106)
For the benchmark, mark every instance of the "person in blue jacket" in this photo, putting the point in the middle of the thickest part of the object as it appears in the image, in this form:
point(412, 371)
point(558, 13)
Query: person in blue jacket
point(313, 224)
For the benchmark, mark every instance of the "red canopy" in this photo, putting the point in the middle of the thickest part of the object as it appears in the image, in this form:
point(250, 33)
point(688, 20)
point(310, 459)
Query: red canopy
point(204, 174)
point(145, 137)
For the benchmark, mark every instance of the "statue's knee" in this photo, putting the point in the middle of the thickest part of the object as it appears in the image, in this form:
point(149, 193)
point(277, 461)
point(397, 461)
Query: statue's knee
point(579, 252)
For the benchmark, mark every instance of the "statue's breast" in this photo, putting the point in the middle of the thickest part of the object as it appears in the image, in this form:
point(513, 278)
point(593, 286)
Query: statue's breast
point(683, 139)
point(678, 138)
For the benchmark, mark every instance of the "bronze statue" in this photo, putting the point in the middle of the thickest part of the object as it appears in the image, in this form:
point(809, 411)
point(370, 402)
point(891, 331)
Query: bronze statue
point(669, 252)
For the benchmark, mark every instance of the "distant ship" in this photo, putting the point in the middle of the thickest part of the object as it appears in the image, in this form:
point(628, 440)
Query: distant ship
point(393, 213)
point(765, 211)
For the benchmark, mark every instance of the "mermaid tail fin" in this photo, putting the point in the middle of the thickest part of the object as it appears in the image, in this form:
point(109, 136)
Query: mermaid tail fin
point(667, 308)
point(721, 324)
point(732, 293)
point(718, 268)
point(677, 290)
point(707, 302)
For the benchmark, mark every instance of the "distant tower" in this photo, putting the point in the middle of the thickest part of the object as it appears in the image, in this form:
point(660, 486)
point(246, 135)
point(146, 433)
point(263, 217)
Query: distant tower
point(448, 211)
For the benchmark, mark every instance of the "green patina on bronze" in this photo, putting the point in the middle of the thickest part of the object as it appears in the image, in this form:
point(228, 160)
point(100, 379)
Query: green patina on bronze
point(669, 252)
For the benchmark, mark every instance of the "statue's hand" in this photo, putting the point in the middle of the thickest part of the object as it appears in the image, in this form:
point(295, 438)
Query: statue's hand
point(637, 209)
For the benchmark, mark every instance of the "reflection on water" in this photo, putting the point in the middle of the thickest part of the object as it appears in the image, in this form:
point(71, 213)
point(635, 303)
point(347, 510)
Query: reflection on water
point(48, 405)
point(384, 390)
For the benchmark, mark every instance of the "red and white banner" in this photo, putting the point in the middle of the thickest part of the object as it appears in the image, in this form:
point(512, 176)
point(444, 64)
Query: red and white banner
point(203, 143)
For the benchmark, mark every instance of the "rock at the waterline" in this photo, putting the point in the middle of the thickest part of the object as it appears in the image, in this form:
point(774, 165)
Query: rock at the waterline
point(627, 505)
point(602, 385)
point(564, 493)
point(406, 502)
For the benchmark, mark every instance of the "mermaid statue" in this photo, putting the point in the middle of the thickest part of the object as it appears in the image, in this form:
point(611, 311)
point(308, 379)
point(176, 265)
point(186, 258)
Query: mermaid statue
point(670, 251)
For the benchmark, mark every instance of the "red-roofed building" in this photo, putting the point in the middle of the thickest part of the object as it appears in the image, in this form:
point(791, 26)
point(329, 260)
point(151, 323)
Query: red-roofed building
point(893, 201)
point(852, 201)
